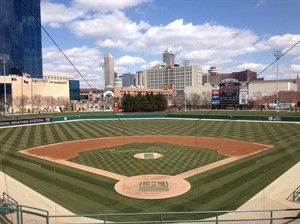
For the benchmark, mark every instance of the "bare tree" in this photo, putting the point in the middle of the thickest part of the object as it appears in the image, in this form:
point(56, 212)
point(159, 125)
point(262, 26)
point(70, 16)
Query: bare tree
point(62, 102)
point(206, 99)
point(21, 102)
point(195, 100)
point(50, 102)
point(37, 101)
point(178, 100)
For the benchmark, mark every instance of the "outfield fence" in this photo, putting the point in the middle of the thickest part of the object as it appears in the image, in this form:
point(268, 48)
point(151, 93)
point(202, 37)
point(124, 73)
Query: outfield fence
point(178, 116)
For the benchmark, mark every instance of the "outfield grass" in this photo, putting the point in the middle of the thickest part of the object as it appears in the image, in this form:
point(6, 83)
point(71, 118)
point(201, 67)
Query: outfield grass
point(176, 158)
point(225, 187)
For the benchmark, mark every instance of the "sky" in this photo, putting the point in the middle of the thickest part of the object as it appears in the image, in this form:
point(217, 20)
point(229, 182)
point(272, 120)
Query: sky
point(233, 35)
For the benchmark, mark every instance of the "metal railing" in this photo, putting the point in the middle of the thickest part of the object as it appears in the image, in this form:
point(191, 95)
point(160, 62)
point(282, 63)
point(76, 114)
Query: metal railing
point(20, 214)
point(295, 195)
point(217, 217)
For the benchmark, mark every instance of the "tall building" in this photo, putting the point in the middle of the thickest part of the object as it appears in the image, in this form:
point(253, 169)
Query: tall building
point(20, 36)
point(169, 57)
point(178, 77)
point(109, 69)
point(128, 79)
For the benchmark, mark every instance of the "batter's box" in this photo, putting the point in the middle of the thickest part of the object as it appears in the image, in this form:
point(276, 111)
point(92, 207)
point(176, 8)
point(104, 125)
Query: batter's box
point(154, 186)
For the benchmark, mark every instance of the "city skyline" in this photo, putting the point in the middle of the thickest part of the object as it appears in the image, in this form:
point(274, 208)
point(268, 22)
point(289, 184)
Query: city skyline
point(231, 35)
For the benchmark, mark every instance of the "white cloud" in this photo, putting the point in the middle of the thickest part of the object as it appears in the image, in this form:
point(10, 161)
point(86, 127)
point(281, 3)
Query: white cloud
point(108, 29)
point(257, 67)
point(200, 43)
point(259, 3)
point(295, 67)
point(150, 64)
point(279, 42)
point(56, 14)
point(107, 5)
point(86, 60)
point(128, 60)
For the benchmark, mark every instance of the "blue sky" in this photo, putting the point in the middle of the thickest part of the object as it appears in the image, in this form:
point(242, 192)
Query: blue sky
point(233, 35)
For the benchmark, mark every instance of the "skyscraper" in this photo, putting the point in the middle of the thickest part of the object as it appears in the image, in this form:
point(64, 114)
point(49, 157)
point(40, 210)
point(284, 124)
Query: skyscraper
point(20, 36)
point(169, 57)
point(108, 69)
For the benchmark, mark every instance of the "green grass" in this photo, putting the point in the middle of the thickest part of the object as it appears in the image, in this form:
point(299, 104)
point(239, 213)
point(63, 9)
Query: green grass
point(226, 187)
point(176, 159)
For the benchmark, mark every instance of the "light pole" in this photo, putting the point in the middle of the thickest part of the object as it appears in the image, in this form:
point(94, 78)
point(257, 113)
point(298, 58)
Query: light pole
point(4, 58)
point(277, 55)
point(185, 63)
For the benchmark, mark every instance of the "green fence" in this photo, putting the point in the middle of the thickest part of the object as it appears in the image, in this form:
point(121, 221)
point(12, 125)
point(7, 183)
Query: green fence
point(108, 116)
point(179, 116)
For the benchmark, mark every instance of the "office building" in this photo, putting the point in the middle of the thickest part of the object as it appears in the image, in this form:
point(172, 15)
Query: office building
point(214, 77)
point(34, 94)
point(128, 79)
point(176, 76)
point(108, 69)
point(169, 57)
point(20, 37)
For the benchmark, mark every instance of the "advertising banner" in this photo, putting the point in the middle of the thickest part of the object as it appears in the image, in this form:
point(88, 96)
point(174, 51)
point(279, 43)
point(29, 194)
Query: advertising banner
point(215, 96)
point(24, 121)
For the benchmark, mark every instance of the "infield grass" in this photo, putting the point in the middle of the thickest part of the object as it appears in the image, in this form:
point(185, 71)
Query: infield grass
point(225, 187)
point(176, 158)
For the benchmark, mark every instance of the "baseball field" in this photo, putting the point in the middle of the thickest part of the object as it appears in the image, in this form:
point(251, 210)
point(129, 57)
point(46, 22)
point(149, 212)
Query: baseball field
point(223, 187)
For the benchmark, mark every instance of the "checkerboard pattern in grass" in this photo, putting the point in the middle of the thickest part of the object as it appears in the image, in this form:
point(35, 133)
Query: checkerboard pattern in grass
point(176, 158)
point(225, 187)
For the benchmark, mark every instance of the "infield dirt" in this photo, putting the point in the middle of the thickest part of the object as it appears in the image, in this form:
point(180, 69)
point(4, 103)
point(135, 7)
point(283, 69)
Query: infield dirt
point(61, 152)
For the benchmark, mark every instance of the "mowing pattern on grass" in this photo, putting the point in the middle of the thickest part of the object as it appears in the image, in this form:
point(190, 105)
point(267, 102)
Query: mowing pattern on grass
point(226, 187)
point(177, 159)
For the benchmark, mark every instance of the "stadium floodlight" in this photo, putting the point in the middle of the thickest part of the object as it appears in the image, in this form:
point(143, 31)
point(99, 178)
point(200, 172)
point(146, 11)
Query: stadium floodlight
point(277, 55)
point(185, 63)
point(4, 58)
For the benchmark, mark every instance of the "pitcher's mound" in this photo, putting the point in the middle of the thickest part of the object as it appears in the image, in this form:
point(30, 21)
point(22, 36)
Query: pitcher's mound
point(152, 186)
point(148, 155)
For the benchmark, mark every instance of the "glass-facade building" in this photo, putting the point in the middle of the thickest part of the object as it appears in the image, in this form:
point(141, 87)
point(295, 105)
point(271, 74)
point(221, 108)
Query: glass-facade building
point(20, 36)
point(74, 88)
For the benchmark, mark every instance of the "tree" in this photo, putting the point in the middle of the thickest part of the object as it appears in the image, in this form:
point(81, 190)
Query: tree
point(37, 101)
point(206, 99)
point(21, 102)
point(178, 100)
point(62, 102)
point(195, 100)
point(161, 102)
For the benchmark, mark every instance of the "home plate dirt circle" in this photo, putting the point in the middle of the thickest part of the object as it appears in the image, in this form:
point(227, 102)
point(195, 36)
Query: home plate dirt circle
point(152, 186)
point(148, 155)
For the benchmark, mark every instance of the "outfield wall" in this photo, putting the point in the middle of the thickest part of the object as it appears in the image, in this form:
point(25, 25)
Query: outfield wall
point(179, 116)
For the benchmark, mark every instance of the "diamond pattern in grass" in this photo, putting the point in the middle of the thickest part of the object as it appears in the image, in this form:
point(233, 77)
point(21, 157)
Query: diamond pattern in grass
point(176, 158)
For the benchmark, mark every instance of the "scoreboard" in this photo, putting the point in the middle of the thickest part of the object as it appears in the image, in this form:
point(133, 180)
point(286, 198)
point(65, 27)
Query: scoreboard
point(229, 92)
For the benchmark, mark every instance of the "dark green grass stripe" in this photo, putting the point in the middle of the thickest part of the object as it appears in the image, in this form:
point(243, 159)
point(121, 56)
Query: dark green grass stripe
point(50, 138)
point(87, 129)
point(68, 131)
point(80, 131)
point(38, 136)
point(11, 137)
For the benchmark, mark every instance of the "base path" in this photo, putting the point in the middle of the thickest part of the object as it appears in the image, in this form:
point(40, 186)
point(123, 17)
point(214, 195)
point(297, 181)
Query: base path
point(150, 186)
point(68, 150)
